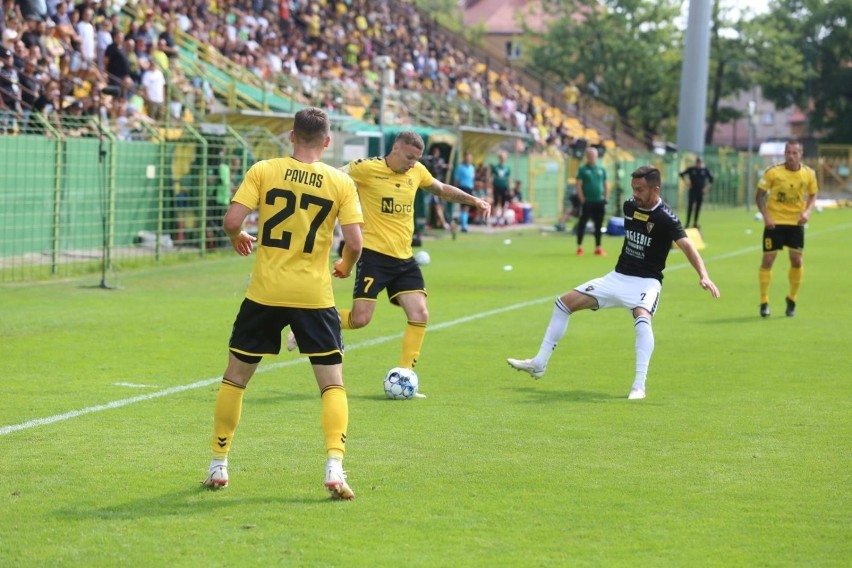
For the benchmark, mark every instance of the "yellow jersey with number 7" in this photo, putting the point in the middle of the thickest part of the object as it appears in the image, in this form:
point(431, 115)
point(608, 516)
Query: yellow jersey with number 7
point(388, 198)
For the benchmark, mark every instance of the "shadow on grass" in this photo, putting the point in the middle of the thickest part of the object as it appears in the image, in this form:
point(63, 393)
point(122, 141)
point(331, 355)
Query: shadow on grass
point(738, 321)
point(378, 397)
point(270, 397)
point(191, 501)
point(285, 397)
point(538, 396)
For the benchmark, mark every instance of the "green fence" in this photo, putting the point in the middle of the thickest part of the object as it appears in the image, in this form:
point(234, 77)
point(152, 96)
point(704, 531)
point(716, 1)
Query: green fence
point(76, 203)
point(77, 198)
point(729, 169)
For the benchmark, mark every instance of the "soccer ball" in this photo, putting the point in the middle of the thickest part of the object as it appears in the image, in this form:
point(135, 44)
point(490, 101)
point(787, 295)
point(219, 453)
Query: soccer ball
point(401, 383)
point(422, 258)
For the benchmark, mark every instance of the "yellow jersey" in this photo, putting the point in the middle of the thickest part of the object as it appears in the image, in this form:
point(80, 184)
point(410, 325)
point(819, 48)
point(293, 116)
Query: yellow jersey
point(298, 205)
point(788, 192)
point(387, 199)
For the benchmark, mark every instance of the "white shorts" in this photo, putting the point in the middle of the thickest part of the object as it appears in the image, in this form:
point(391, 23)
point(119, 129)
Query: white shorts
point(618, 290)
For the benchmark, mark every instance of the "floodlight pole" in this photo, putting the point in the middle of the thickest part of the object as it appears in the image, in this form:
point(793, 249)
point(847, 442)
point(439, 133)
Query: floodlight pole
point(692, 106)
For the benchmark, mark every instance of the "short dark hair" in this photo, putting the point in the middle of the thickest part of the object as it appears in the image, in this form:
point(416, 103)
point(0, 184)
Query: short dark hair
point(411, 138)
point(311, 126)
point(649, 173)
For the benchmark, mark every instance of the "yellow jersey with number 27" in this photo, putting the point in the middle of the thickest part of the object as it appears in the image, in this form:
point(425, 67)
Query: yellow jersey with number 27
point(298, 205)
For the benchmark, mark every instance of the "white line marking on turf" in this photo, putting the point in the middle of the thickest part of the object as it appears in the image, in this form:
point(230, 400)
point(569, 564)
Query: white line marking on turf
point(207, 382)
point(134, 385)
point(369, 343)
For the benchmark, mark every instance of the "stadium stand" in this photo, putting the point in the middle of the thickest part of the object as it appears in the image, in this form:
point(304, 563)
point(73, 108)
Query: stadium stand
point(138, 61)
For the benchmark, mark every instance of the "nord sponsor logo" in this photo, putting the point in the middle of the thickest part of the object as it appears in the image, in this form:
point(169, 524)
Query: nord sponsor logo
point(389, 206)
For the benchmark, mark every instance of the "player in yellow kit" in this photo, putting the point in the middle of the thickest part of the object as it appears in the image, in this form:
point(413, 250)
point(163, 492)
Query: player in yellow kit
point(387, 187)
point(785, 196)
point(299, 199)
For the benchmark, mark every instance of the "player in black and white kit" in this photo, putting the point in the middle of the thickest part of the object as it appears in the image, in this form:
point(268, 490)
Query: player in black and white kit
point(650, 227)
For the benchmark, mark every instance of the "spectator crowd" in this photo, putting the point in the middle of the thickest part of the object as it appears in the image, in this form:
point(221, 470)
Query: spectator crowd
point(118, 59)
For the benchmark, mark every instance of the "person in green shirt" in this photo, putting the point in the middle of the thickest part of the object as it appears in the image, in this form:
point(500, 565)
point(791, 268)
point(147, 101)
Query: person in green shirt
point(500, 175)
point(593, 193)
point(219, 198)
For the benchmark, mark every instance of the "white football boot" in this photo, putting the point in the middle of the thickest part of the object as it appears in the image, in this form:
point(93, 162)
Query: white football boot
point(636, 394)
point(218, 478)
point(335, 481)
point(527, 365)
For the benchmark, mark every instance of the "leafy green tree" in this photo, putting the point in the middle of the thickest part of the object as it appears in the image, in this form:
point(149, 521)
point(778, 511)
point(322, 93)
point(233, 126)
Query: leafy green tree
point(626, 53)
point(730, 68)
point(447, 12)
point(803, 53)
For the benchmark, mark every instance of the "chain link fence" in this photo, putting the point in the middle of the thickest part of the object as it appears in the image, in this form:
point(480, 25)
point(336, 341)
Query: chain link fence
point(81, 195)
point(76, 198)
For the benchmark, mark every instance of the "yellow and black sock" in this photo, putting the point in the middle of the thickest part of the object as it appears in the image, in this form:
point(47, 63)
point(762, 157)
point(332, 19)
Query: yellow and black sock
point(345, 322)
point(795, 276)
point(334, 419)
point(226, 417)
point(765, 277)
point(412, 342)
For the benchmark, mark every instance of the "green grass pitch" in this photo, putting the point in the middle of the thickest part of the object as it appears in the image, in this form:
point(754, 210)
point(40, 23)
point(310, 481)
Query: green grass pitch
point(740, 455)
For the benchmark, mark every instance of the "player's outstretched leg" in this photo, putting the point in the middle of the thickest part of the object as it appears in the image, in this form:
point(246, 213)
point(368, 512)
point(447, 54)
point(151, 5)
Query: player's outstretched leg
point(644, 350)
point(556, 328)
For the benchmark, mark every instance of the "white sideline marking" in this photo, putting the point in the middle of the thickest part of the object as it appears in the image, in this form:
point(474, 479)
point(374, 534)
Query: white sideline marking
point(133, 385)
point(369, 343)
point(207, 382)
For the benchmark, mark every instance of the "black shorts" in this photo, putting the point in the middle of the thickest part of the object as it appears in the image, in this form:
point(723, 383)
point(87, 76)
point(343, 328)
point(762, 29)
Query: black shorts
point(257, 329)
point(501, 195)
point(377, 271)
point(792, 236)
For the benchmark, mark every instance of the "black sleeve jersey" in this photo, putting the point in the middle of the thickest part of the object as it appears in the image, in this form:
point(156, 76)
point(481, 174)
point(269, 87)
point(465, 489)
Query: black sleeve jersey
point(698, 177)
point(648, 238)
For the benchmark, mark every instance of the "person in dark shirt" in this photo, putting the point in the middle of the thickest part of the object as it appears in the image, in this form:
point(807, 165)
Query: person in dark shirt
point(31, 81)
point(593, 193)
point(168, 35)
point(33, 30)
point(698, 177)
point(437, 166)
point(116, 63)
point(10, 98)
point(650, 229)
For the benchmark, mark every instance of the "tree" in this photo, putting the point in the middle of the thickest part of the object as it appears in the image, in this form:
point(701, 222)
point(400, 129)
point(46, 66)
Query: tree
point(803, 53)
point(449, 13)
point(626, 53)
point(729, 69)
